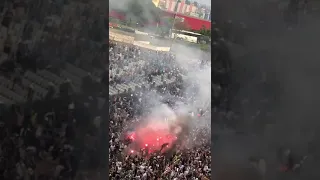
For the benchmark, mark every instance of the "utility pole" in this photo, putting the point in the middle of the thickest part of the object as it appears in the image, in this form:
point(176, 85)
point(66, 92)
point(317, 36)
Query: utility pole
point(174, 21)
point(172, 27)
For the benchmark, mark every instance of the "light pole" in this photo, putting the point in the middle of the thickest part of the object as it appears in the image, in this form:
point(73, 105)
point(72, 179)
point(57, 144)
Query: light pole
point(174, 21)
point(172, 27)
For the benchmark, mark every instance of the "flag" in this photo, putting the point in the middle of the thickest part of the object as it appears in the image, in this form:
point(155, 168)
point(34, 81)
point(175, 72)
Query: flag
point(176, 158)
point(163, 146)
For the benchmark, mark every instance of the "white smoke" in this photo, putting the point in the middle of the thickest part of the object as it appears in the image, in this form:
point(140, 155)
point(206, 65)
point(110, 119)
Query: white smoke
point(195, 76)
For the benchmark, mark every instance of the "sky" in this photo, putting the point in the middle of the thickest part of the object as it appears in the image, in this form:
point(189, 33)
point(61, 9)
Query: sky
point(206, 2)
point(121, 3)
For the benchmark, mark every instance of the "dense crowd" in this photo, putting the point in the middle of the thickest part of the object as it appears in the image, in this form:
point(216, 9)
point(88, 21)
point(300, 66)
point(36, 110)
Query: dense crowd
point(129, 64)
point(60, 31)
point(57, 136)
point(147, 74)
point(48, 145)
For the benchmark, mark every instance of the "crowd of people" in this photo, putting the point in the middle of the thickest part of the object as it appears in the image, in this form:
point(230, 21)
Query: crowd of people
point(136, 68)
point(49, 144)
point(57, 136)
point(133, 64)
point(60, 31)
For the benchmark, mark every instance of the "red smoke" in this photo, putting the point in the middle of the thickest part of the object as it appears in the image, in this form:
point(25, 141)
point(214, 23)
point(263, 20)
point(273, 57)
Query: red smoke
point(154, 139)
point(158, 134)
point(152, 136)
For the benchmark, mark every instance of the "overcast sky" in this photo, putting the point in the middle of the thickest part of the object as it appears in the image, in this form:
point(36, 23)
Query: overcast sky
point(206, 2)
point(121, 3)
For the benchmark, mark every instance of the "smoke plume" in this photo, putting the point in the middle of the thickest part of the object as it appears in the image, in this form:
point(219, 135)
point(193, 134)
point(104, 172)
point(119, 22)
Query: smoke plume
point(174, 118)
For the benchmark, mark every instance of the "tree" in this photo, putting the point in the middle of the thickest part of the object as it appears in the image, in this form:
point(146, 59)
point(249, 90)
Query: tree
point(204, 31)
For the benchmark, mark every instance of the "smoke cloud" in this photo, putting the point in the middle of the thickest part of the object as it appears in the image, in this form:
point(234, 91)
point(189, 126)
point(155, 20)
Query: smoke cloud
point(197, 95)
point(160, 116)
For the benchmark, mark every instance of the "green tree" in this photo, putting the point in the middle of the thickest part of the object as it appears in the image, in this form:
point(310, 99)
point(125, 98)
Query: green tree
point(206, 35)
point(204, 31)
point(200, 14)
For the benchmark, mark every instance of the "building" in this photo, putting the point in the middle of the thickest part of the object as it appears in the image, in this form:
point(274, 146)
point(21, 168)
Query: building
point(192, 19)
point(182, 7)
point(193, 22)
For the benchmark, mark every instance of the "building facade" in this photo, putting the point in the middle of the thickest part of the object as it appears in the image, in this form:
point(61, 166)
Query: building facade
point(193, 22)
point(180, 6)
point(194, 17)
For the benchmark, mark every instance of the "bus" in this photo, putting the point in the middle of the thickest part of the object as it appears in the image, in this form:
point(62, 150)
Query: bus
point(185, 35)
point(189, 36)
